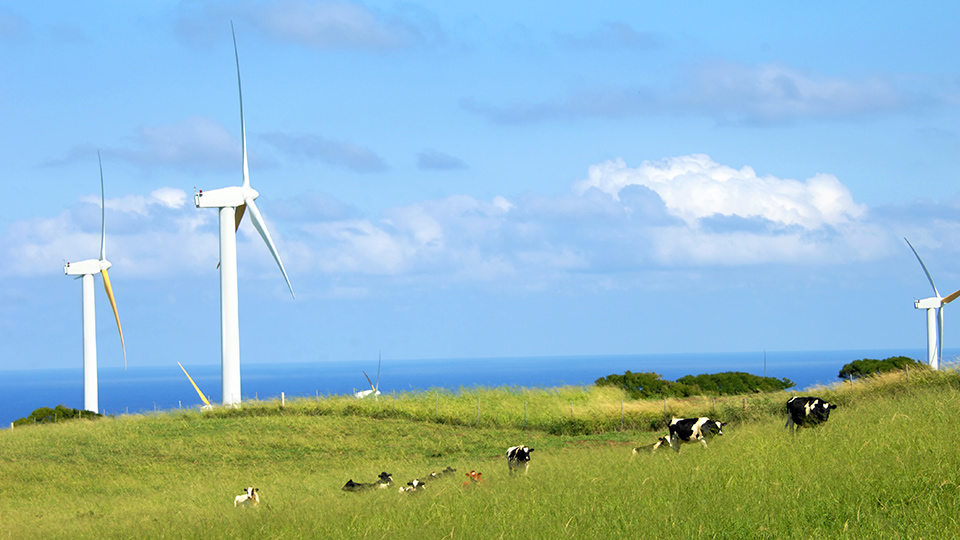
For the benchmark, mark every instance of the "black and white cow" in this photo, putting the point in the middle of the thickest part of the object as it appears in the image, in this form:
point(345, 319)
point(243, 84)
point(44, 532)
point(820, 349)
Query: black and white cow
point(383, 482)
point(518, 457)
point(807, 411)
point(684, 430)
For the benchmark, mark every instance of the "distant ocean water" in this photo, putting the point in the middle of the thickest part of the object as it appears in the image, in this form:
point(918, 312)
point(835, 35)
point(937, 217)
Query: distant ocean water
point(149, 388)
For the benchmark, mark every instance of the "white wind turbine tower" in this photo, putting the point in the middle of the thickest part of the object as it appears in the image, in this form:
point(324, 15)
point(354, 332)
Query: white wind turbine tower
point(934, 306)
point(231, 203)
point(86, 270)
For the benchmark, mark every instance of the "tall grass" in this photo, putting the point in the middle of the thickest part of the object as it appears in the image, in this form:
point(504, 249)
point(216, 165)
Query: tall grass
point(884, 466)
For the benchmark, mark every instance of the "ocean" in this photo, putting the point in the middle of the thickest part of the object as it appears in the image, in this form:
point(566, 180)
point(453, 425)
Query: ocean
point(140, 389)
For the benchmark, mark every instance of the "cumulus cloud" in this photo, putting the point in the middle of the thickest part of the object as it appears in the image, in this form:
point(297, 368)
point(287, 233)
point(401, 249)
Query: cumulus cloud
point(684, 212)
point(695, 187)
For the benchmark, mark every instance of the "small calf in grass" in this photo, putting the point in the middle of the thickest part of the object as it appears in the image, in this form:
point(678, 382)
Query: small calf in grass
point(473, 477)
point(413, 486)
point(249, 497)
point(652, 447)
point(518, 457)
point(684, 430)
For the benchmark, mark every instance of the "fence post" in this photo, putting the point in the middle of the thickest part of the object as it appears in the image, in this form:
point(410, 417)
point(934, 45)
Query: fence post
point(283, 400)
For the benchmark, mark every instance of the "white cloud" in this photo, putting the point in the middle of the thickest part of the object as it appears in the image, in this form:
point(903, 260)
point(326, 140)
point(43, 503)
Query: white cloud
point(694, 187)
point(685, 212)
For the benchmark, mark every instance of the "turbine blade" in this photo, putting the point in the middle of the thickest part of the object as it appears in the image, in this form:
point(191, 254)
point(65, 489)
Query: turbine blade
point(116, 315)
point(369, 381)
point(103, 211)
point(261, 227)
point(951, 297)
point(238, 216)
point(379, 360)
point(243, 130)
point(195, 387)
point(924, 269)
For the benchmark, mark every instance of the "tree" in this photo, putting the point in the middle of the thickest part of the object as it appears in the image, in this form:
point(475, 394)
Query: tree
point(730, 383)
point(868, 366)
point(646, 385)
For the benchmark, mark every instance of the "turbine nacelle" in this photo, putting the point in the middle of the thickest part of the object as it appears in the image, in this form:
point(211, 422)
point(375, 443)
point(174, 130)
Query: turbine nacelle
point(234, 196)
point(89, 266)
point(928, 303)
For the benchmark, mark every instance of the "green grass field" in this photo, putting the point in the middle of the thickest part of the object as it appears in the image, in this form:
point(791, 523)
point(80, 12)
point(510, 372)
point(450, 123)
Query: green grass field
point(886, 465)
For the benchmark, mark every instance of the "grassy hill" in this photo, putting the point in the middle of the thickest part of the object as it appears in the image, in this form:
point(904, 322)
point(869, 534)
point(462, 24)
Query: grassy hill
point(885, 465)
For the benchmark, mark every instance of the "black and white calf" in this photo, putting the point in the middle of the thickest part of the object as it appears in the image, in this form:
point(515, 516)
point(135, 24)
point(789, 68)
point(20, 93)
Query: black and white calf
point(684, 430)
point(653, 447)
point(807, 411)
point(383, 482)
point(413, 486)
point(518, 457)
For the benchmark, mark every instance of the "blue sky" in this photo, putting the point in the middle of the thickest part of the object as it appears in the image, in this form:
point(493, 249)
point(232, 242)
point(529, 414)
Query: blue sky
point(447, 181)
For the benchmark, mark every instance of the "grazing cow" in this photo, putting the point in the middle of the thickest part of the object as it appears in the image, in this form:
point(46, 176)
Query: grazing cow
point(249, 497)
point(473, 477)
point(413, 486)
point(807, 411)
point(383, 482)
point(652, 447)
point(517, 457)
point(684, 430)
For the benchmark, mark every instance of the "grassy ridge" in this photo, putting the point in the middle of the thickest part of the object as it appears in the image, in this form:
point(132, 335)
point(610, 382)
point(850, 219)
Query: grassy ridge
point(175, 474)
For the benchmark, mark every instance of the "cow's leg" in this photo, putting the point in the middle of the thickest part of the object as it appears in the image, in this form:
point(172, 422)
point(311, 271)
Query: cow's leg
point(703, 442)
point(675, 442)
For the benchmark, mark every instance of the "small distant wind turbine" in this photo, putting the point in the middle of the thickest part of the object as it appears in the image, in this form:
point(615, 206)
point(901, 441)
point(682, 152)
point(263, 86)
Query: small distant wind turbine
point(374, 389)
point(232, 203)
point(934, 306)
point(206, 402)
point(86, 270)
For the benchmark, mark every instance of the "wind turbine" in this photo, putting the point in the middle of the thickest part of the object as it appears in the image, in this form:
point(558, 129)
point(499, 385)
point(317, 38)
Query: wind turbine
point(934, 306)
point(374, 390)
point(86, 270)
point(232, 202)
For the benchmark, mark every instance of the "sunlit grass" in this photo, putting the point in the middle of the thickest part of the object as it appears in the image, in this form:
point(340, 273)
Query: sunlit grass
point(884, 466)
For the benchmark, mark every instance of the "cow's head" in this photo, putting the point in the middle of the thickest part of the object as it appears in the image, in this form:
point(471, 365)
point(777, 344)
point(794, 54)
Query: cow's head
point(522, 453)
point(822, 410)
point(385, 478)
point(714, 427)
